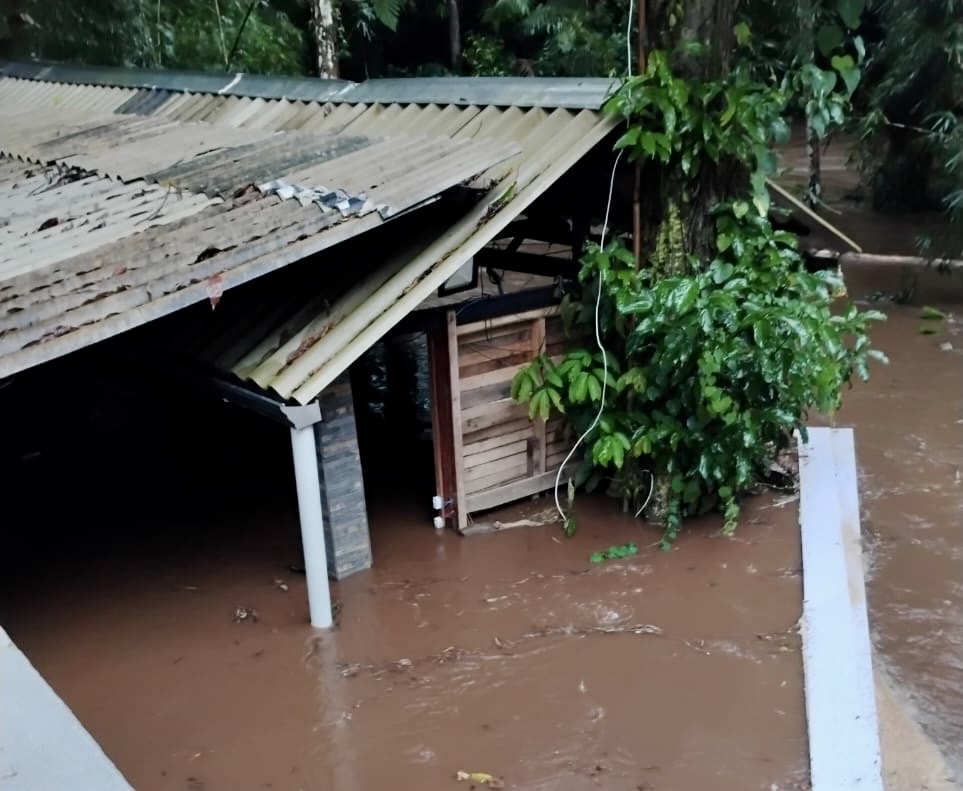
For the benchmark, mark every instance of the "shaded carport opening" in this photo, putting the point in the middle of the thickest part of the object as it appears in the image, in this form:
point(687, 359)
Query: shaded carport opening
point(107, 456)
point(119, 459)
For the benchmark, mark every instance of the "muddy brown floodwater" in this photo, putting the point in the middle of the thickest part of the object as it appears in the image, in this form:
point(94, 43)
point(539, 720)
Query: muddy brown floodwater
point(909, 444)
point(506, 653)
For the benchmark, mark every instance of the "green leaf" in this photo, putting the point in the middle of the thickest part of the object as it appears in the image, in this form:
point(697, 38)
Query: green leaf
point(556, 398)
point(723, 242)
point(596, 557)
point(570, 525)
point(817, 122)
point(594, 387)
point(847, 69)
point(629, 139)
point(578, 390)
point(687, 162)
point(551, 376)
point(761, 202)
point(829, 38)
point(618, 455)
point(721, 271)
point(850, 11)
point(522, 386)
point(932, 314)
point(647, 142)
point(743, 34)
point(740, 208)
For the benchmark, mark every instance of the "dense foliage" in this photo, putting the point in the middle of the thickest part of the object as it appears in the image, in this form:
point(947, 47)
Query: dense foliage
point(706, 375)
point(912, 109)
point(713, 354)
point(213, 35)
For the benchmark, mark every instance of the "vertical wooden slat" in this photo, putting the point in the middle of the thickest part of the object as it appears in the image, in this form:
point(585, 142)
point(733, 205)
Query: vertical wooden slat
point(538, 426)
point(439, 364)
point(458, 455)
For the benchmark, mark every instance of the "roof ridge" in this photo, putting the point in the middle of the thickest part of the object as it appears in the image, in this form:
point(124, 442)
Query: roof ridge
point(577, 93)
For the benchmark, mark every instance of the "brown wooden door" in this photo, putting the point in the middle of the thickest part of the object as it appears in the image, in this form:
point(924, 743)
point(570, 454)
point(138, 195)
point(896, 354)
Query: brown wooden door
point(487, 451)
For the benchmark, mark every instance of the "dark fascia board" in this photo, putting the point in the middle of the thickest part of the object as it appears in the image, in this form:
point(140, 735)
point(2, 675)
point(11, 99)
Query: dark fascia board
point(575, 93)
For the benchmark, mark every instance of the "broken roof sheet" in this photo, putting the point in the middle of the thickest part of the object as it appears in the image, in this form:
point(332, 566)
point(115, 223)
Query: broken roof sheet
point(107, 223)
point(299, 343)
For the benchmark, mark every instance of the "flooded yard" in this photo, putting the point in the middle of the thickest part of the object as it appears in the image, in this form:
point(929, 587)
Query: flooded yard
point(507, 653)
point(137, 534)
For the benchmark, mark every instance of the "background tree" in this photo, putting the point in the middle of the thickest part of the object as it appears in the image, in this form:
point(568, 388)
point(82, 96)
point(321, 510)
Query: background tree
point(912, 109)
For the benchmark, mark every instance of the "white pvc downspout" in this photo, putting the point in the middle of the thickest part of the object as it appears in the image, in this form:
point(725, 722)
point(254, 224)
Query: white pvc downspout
point(304, 448)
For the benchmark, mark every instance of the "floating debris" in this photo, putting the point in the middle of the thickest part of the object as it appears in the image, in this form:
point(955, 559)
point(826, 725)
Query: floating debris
point(244, 615)
point(482, 778)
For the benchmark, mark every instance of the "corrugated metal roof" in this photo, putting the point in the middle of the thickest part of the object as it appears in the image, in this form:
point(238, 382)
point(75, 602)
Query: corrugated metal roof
point(299, 343)
point(297, 346)
point(84, 257)
point(574, 93)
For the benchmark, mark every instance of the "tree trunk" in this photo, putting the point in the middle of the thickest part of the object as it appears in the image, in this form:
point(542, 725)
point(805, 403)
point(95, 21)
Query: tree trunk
point(807, 50)
point(454, 33)
point(678, 211)
point(325, 33)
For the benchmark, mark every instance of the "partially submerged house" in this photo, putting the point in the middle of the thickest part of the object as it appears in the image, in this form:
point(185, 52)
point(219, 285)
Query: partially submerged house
point(160, 209)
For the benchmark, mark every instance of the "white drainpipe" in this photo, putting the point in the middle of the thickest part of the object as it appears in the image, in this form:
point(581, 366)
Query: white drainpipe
point(304, 448)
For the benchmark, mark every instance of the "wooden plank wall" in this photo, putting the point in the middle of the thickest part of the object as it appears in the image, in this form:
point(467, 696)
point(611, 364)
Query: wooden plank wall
point(505, 456)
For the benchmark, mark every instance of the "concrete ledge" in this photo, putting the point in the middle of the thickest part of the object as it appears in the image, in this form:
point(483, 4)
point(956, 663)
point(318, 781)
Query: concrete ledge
point(42, 744)
point(844, 751)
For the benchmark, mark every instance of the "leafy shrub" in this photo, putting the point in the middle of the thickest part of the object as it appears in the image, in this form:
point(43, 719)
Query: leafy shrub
point(707, 375)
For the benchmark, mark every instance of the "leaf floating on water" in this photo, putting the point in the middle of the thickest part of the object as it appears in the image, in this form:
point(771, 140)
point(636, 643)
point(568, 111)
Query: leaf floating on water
point(932, 314)
point(482, 778)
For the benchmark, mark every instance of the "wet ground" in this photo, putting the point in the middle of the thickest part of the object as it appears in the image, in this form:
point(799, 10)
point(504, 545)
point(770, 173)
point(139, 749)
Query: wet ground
point(508, 653)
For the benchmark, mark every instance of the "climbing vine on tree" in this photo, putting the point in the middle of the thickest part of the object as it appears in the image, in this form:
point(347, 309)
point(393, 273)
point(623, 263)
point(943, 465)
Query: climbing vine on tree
point(713, 356)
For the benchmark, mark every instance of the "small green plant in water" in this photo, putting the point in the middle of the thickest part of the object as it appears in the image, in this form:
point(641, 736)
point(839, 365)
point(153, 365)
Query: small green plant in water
point(614, 553)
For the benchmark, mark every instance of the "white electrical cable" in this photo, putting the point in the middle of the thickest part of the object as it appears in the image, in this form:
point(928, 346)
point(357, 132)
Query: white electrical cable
point(598, 341)
point(628, 39)
point(598, 303)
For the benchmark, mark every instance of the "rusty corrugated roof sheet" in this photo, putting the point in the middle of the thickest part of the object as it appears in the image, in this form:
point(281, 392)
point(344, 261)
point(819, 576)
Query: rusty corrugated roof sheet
point(109, 221)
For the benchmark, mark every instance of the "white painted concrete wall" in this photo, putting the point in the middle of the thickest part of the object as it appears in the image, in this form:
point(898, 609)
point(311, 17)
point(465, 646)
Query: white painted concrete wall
point(844, 748)
point(43, 746)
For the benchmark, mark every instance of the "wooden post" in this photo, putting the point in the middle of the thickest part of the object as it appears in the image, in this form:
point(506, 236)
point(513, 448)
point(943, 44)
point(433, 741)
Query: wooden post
point(441, 427)
point(461, 510)
point(538, 426)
